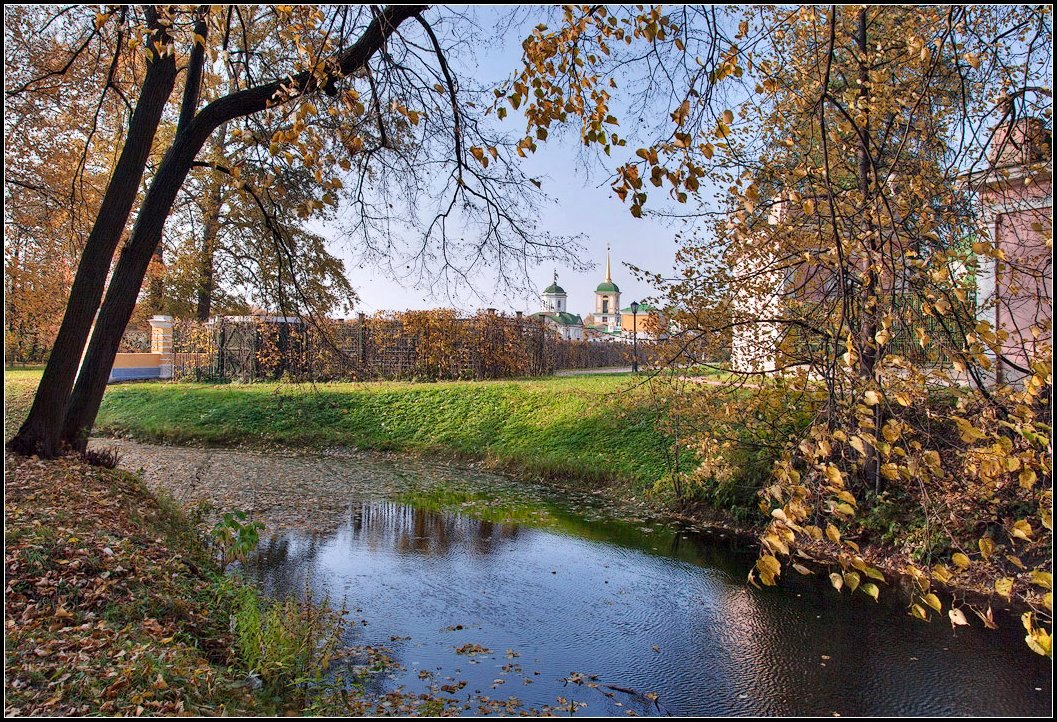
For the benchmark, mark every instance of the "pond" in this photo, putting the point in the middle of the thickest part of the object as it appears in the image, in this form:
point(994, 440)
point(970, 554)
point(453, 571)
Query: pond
point(522, 591)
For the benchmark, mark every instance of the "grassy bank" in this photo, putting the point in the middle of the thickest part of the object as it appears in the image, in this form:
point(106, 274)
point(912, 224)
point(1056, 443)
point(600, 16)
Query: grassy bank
point(593, 428)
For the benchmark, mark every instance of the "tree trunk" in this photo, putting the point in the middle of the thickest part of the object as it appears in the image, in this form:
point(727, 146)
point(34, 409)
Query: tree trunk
point(205, 266)
point(135, 257)
point(868, 323)
point(211, 227)
point(869, 349)
point(41, 432)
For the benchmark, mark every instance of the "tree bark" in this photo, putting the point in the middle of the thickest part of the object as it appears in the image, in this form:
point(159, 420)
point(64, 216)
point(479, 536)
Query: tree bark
point(869, 349)
point(210, 229)
point(135, 257)
point(188, 106)
point(40, 434)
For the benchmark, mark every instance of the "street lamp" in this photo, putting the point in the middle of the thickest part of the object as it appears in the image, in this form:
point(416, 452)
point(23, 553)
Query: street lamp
point(634, 337)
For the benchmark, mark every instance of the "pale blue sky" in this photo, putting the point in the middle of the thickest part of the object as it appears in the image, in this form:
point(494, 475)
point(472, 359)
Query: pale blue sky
point(582, 205)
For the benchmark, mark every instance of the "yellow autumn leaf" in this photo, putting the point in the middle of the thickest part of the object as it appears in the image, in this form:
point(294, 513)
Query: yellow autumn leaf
point(1021, 530)
point(1040, 641)
point(833, 475)
point(680, 114)
point(891, 431)
point(768, 564)
point(1004, 586)
point(874, 573)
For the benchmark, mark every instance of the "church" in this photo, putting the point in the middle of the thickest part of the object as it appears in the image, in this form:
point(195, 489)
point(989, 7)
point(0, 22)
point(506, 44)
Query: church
point(608, 322)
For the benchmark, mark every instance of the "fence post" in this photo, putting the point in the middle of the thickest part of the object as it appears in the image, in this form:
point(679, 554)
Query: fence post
point(362, 317)
point(161, 343)
point(221, 341)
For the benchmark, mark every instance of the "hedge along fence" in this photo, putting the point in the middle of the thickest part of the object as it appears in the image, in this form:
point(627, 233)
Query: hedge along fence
point(408, 345)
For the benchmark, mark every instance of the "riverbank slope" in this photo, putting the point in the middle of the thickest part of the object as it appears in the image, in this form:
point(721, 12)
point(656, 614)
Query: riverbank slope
point(112, 604)
point(599, 429)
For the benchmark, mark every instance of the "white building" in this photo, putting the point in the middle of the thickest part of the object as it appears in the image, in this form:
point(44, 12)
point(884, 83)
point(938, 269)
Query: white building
point(754, 343)
point(556, 315)
point(606, 317)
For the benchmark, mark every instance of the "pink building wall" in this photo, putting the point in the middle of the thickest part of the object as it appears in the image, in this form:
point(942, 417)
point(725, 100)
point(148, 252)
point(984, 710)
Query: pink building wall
point(1015, 292)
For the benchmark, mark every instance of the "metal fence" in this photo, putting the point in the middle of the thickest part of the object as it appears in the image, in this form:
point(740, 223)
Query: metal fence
point(412, 345)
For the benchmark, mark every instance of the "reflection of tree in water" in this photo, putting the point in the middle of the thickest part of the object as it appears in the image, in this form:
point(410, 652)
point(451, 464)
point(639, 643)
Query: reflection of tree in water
point(404, 529)
point(283, 563)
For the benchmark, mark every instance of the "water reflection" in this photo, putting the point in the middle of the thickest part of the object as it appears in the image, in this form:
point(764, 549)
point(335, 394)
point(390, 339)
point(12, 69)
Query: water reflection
point(408, 530)
point(644, 606)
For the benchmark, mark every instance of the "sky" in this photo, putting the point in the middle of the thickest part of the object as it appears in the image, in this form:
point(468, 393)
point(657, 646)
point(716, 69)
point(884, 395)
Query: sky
point(582, 205)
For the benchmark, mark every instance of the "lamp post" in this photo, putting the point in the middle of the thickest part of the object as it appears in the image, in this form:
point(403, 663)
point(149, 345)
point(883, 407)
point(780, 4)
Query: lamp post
point(634, 337)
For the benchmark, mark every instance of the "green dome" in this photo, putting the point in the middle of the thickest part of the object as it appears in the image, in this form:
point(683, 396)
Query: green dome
point(554, 288)
point(607, 287)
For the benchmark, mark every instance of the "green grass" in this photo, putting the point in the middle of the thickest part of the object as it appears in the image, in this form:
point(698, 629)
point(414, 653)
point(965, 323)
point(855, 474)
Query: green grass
point(591, 428)
point(19, 387)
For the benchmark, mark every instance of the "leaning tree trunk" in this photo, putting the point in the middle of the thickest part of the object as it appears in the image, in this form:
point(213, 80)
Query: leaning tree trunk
point(41, 432)
point(135, 257)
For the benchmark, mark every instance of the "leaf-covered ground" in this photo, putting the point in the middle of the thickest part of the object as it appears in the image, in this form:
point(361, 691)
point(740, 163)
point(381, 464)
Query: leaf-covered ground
point(112, 606)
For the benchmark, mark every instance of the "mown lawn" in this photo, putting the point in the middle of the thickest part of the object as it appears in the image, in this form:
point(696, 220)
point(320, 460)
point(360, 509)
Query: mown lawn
point(594, 428)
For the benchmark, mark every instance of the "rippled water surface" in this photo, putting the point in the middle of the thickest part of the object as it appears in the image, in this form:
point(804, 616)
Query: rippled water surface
point(550, 588)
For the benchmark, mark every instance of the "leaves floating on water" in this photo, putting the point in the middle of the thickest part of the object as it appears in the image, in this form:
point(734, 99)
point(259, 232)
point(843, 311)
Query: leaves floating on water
point(471, 648)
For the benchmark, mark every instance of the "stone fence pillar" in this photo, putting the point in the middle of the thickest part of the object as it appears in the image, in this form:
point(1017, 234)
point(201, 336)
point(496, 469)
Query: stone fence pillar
point(161, 343)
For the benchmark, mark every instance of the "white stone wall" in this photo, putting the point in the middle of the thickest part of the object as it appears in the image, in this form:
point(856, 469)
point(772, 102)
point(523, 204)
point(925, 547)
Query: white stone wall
point(756, 297)
point(554, 302)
